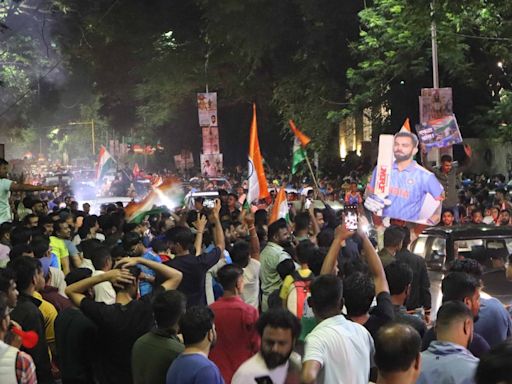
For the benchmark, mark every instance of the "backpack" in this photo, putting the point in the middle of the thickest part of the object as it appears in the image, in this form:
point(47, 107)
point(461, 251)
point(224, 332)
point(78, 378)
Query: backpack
point(297, 300)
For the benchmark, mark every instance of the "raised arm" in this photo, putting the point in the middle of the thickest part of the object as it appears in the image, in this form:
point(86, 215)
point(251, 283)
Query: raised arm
point(314, 223)
point(254, 242)
point(17, 187)
point(467, 163)
point(374, 263)
point(424, 160)
point(75, 291)
point(218, 232)
point(200, 225)
point(329, 265)
point(172, 276)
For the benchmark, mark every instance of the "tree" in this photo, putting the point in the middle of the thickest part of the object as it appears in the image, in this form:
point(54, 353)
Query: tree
point(394, 58)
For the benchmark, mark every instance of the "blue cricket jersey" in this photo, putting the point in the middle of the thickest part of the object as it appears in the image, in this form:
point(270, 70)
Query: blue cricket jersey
point(408, 190)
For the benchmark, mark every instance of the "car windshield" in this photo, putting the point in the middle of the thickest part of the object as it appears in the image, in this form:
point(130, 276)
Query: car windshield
point(483, 250)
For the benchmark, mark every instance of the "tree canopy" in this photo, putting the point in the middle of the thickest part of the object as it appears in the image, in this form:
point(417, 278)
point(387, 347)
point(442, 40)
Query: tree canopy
point(135, 66)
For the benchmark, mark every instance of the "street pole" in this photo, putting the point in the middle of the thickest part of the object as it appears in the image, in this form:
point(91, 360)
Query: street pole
point(435, 153)
point(93, 138)
point(435, 64)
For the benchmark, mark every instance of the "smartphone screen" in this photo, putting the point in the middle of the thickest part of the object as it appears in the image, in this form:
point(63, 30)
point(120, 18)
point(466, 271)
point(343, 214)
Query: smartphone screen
point(351, 217)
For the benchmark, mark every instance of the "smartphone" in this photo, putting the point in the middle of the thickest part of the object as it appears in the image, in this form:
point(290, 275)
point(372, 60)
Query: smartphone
point(351, 217)
point(209, 203)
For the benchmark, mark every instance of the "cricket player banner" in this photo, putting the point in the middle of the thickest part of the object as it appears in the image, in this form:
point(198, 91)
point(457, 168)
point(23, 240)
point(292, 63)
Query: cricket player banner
point(439, 133)
point(399, 187)
point(207, 109)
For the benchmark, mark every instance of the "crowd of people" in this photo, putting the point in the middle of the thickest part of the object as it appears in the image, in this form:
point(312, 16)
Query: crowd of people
point(225, 295)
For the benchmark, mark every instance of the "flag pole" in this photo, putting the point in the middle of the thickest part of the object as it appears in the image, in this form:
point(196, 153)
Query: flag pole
point(311, 170)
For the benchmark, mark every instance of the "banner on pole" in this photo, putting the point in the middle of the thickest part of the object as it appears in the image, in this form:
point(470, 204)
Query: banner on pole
point(184, 161)
point(211, 164)
point(210, 140)
point(207, 109)
point(435, 103)
point(439, 133)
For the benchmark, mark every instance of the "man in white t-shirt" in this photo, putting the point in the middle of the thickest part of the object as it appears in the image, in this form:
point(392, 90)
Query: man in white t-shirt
point(337, 350)
point(6, 186)
point(275, 362)
point(103, 292)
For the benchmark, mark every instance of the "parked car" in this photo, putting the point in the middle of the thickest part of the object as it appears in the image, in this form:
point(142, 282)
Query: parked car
point(484, 243)
point(440, 245)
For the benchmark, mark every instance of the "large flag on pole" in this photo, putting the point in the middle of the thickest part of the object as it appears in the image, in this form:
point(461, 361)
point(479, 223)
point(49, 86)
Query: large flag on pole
point(258, 188)
point(105, 162)
point(299, 144)
point(280, 208)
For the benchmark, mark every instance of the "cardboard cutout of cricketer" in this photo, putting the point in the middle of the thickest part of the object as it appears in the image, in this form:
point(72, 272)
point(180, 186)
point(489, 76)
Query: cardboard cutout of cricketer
point(400, 188)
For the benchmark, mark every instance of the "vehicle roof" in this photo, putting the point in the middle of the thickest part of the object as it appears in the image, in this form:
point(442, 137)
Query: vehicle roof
point(469, 231)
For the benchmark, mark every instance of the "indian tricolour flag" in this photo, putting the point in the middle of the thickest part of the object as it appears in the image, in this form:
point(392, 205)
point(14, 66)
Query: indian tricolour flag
point(105, 162)
point(258, 187)
point(168, 195)
point(299, 147)
point(280, 208)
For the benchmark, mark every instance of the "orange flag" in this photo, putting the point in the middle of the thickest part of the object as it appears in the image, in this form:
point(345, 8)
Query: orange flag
point(304, 140)
point(258, 187)
point(406, 126)
point(280, 208)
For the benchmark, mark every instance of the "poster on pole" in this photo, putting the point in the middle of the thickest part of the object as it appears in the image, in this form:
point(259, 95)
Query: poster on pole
point(399, 187)
point(435, 103)
point(211, 164)
point(184, 161)
point(439, 133)
point(207, 109)
point(210, 140)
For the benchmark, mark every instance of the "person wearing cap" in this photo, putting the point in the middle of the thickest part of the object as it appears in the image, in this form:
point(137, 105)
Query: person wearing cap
point(409, 186)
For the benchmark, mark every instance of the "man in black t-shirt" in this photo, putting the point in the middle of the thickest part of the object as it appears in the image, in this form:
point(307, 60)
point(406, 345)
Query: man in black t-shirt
point(75, 339)
point(359, 290)
point(194, 267)
point(120, 324)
